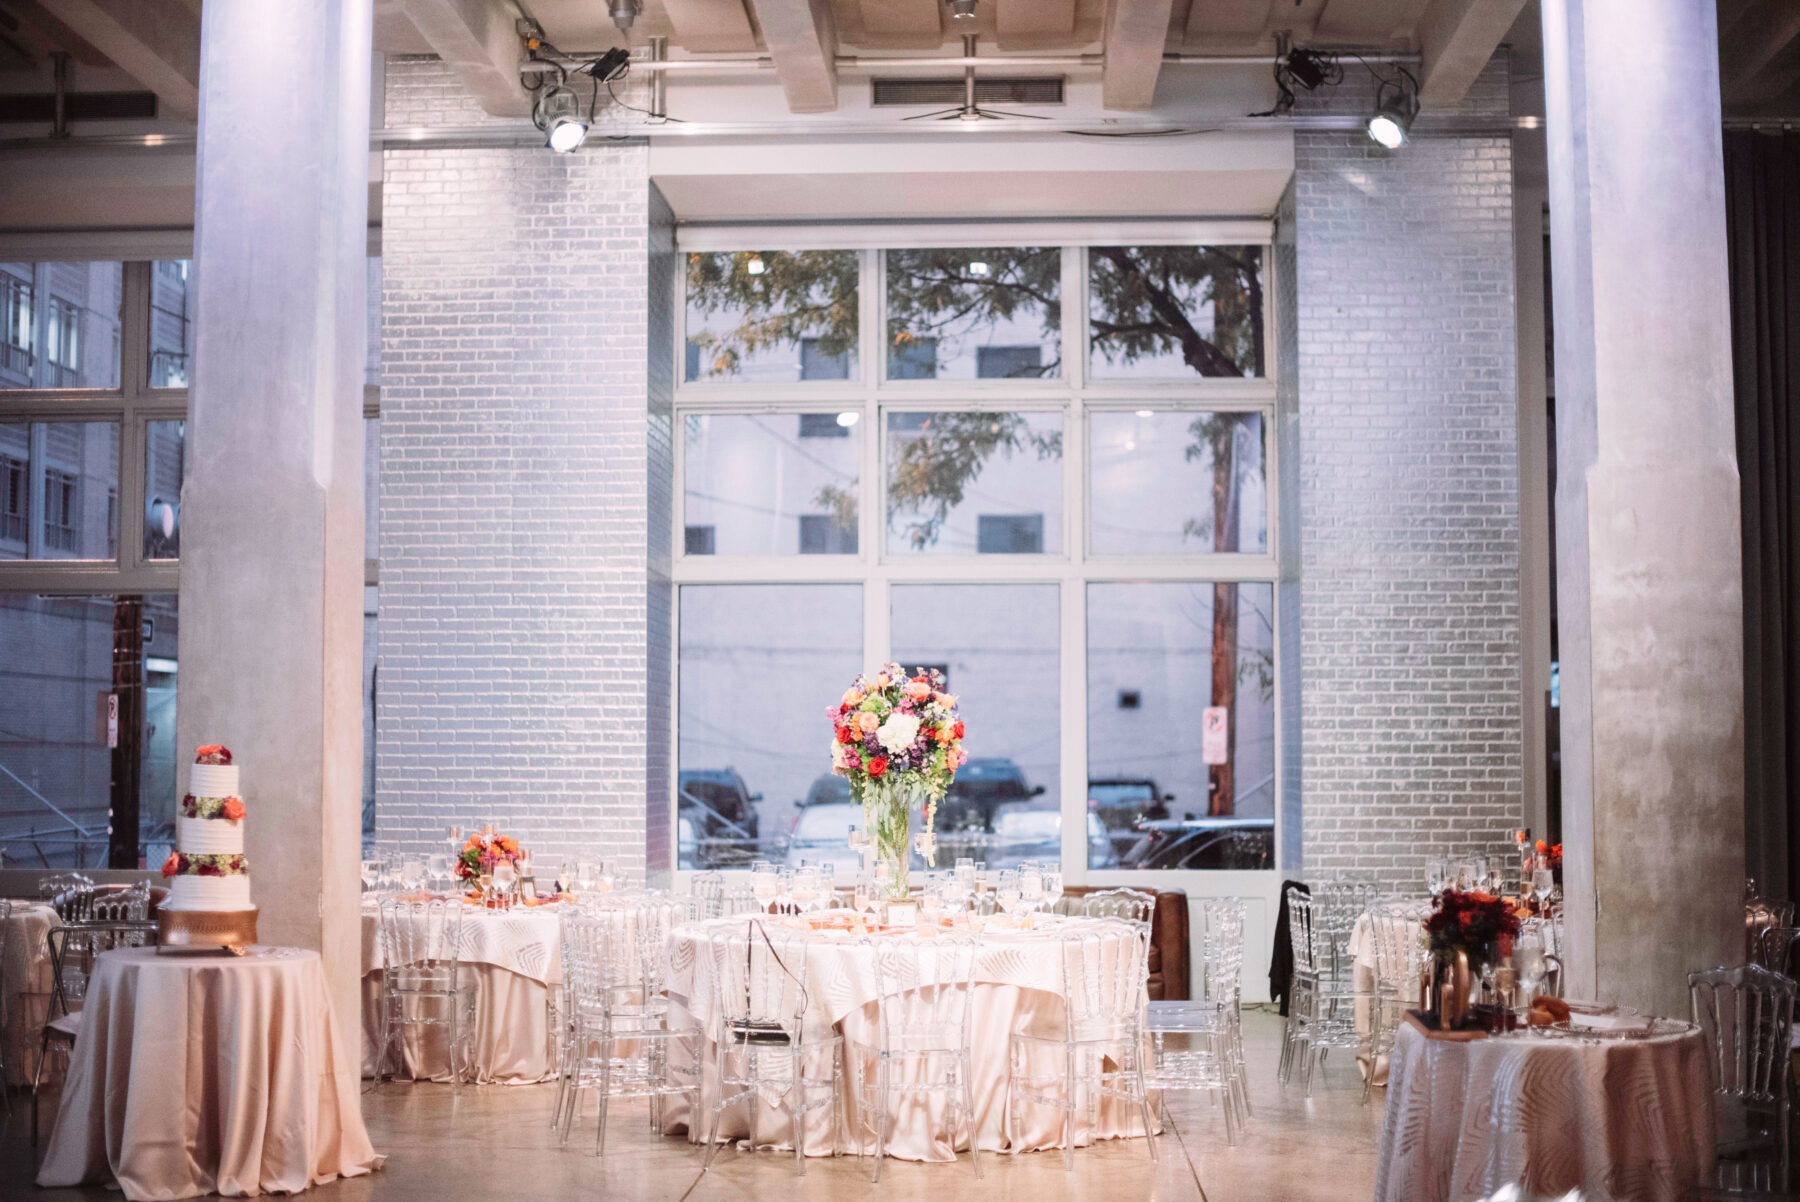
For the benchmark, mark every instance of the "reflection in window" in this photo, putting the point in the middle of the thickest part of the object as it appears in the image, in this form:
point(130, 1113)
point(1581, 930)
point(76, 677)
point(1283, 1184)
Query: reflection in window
point(944, 470)
point(171, 323)
point(58, 483)
point(1180, 649)
point(1173, 312)
point(761, 484)
point(1165, 482)
point(61, 324)
point(974, 314)
point(758, 663)
point(1000, 646)
point(772, 316)
point(165, 466)
point(61, 652)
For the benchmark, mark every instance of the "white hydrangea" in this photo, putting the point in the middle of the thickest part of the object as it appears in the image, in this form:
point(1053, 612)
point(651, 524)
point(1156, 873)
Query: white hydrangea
point(898, 732)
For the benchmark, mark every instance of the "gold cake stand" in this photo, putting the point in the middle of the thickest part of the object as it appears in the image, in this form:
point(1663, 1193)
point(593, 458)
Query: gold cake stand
point(180, 932)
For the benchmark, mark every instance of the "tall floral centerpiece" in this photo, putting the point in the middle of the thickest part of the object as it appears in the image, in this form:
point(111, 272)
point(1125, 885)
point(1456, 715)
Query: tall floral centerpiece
point(898, 740)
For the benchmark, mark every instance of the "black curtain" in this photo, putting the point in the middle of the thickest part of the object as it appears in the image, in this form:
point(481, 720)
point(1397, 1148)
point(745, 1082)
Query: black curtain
point(1762, 205)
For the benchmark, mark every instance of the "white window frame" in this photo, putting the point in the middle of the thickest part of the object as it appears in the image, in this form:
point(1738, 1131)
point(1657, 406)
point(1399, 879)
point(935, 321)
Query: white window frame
point(1071, 567)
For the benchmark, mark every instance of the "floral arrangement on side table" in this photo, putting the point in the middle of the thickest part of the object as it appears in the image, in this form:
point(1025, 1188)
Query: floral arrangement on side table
point(483, 851)
point(898, 740)
point(1470, 923)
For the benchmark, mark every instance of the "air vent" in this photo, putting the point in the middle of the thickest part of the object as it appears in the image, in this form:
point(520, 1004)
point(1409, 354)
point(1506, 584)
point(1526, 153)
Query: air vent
point(913, 91)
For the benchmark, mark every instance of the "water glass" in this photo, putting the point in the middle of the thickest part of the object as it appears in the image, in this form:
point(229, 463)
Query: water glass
point(439, 866)
point(1008, 891)
point(371, 873)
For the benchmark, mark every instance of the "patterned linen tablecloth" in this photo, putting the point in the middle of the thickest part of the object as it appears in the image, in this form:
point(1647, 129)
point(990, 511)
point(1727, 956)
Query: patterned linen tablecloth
point(1612, 1118)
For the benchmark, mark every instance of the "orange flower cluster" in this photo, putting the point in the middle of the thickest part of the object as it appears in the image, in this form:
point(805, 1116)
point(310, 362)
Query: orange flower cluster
point(482, 852)
point(1551, 853)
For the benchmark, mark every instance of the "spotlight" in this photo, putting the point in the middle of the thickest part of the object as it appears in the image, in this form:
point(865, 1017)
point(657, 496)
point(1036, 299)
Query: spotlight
point(1146, 413)
point(756, 266)
point(558, 114)
point(1395, 107)
point(624, 12)
point(978, 269)
point(849, 418)
point(962, 10)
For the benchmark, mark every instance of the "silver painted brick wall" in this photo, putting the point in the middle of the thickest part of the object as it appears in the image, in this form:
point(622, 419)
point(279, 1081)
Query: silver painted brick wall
point(513, 632)
point(1408, 495)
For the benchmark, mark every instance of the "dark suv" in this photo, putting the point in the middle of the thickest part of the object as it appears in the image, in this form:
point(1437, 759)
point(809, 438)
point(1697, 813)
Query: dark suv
point(981, 787)
point(1121, 802)
point(722, 813)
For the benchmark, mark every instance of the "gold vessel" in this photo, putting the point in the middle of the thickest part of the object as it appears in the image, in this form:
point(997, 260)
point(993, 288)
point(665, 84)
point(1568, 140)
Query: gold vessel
point(180, 931)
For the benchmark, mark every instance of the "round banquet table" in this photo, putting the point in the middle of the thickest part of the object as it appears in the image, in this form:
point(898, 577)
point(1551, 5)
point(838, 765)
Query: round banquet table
point(512, 960)
point(208, 1074)
point(1610, 1117)
point(25, 972)
point(1017, 989)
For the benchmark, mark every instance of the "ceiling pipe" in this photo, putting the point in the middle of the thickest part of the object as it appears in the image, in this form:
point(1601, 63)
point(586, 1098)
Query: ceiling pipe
point(852, 62)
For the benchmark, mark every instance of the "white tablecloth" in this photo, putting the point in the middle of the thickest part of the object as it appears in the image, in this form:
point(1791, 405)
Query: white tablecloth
point(512, 960)
point(1612, 1118)
point(204, 1074)
point(1018, 989)
point(25, 971)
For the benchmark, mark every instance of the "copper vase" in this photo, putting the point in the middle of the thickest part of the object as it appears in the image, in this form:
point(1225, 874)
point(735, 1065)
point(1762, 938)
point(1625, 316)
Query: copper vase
point(1455, 989)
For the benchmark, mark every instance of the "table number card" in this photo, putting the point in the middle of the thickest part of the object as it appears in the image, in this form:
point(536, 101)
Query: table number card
point(902, 915)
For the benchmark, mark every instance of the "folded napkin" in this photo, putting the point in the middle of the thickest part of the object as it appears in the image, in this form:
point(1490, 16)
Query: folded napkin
point(1608, 1022)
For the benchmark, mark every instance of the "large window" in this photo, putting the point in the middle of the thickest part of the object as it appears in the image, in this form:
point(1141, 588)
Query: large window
point(1046, 471)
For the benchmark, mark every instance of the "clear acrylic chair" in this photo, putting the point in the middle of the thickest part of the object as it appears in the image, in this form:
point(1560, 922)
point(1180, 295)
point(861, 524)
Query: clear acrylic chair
point(1397, 932)
point(768, 1049)
point(1746, 1014)
point(1212, 1059)
point(131, 904)
point(73, 950)
point(708, 891)
point(1132, 905)
point(1105, 967)
point(1775, 950)
point(1323, 997)
point(623, 1043)
point(421, 986)
point(924, 998)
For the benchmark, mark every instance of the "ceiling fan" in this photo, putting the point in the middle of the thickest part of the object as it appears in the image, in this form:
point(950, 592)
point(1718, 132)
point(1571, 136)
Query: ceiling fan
point(968, 110)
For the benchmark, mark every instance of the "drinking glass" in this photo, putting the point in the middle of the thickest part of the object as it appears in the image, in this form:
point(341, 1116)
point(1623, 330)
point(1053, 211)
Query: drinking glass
point(1053, 888)
point(455, 839)
point(439, 866)
point(371, 872)
point(504, 876)
point(1529, 960)
point(955, 889)
point(1543, 881)
point(765, 883)
point(1496, 875)
point(584, 876)
point(1007, 891)
point(805, 888)
point(1436, 874)
point(1031, 889)
point(412, 874)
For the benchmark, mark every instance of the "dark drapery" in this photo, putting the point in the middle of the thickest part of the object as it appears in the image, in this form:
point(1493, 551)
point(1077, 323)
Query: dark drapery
point(1762, 204)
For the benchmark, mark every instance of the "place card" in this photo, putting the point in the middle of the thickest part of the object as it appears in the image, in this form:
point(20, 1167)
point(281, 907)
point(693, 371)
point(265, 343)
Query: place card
point(901, 914)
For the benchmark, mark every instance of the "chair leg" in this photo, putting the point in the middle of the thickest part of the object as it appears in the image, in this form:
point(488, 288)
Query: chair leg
point(718, 1107)
point(1072, 1098)
point(1143, 1093)
point(879, 1097)
point(37, 1080)
point(797, 1111)
point(606, 1053)
point(969, 1113)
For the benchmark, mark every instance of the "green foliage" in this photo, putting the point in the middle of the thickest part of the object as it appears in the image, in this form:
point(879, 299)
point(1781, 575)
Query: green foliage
point(934, 294)
point(928, 472)
point(798, 294)
point(1145, 297)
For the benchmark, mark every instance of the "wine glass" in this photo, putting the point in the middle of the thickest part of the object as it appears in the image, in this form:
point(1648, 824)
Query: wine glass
point(504, 877)
point(1031, 889)
point(439, 867)
point(765, 883)
point(584, 876)
point(1532, 966)
point(371, 872)
point(805, 888)
point(1543, 881)
point(1053, 888)
point(1496, 875)
point(1435, 874)
point(455, 839)
point(1008, 891)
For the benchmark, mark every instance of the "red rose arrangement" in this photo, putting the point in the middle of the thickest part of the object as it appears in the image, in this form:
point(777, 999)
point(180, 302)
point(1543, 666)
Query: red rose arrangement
point(1552, 854)
point(1470, 923)
point(182, 863)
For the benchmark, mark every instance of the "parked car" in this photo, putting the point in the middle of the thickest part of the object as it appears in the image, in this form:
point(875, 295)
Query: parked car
point(830, 789)
point(723, 812)
point(981, 787)
point(1122, 802)
point(1229, 842)
point(1022, 832)
point(821, 835)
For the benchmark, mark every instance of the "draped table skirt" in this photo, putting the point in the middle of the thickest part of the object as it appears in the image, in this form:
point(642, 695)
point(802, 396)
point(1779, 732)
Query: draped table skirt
point(208, 1074)
point(25, 973)
point(1612, 1118)
point(1016, 991)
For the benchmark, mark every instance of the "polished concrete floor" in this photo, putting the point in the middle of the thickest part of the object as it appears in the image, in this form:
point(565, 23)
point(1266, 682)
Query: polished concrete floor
point(495, 1143)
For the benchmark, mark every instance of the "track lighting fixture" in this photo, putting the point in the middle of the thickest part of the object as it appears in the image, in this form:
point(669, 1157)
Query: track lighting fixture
point(962, 10)
point(1396, 104)
point(624, 12)
point(558, 114)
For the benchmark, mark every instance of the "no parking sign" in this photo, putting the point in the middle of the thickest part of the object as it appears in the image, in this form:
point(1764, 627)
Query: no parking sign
point(1213, 724)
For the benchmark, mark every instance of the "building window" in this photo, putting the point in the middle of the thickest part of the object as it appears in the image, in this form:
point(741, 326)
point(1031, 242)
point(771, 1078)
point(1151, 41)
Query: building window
point(824, 534)
point(64, 349)
point(1010, 534)
point(62, 502)
point(822, 425)
point(700, 540)
point(15, 348)
point(14, 507)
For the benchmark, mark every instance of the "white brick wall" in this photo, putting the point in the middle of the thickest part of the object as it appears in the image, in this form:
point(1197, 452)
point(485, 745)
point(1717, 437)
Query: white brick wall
point(1409, 516)
point(513, 632)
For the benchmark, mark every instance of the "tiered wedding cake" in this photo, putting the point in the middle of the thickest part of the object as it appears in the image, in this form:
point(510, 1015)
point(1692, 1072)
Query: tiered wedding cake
point(209, 880)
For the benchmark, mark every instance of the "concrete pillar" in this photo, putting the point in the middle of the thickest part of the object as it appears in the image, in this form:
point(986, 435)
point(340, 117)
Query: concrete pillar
point(272, 561)
point(1648, 587)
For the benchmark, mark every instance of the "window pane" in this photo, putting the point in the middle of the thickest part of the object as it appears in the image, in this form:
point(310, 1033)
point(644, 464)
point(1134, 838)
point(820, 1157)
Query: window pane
point(61, 324)
point(171, 322)
point(1175, 312)
point(974, 483)
point(165, 466)
point(772, 316)
point(1159, 657)
point(770, 483)
point(60, 663)
point(59, 490)
point(758, 666)
point(1167, 481)
point(1000, 647)
point(989, 314)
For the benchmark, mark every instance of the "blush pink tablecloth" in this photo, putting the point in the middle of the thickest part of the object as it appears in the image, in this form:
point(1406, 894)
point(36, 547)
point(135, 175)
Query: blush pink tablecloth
point(204, 1074)
point(1017, 989)
point(25, 971)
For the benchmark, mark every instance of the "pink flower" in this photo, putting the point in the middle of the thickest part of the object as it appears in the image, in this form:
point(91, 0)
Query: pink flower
point(918, 690)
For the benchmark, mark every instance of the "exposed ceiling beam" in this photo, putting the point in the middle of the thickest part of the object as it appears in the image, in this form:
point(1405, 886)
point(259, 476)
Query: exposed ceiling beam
point(903, 24)
point(1456, 40)
point(1136, 33)
point(39, 33)
point(478, 40)
point(156, 42)
point(801, 36)
point(1032, 24)
point(1752, 43)
point(710, 26)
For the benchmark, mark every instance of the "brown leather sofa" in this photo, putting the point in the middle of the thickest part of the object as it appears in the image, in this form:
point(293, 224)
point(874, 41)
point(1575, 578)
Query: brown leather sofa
point(1170, 979)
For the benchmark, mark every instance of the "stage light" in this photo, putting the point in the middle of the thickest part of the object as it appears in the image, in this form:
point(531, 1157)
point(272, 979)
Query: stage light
point(558, 114)
point(623, 13)
point(756, 266)
point(1395, 107)
point(962, 10)
point(978, 269)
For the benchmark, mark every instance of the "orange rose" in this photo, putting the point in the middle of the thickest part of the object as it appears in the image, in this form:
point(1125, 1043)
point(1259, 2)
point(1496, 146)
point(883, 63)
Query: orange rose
point(233, 809)
point(172, 865)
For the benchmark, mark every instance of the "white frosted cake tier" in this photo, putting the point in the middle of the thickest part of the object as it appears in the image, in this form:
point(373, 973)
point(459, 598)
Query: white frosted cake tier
point(214, 780)
point(210, 836)
point(209, 893)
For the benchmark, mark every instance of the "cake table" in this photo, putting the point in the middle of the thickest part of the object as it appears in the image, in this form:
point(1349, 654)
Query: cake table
point(208, 1074)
